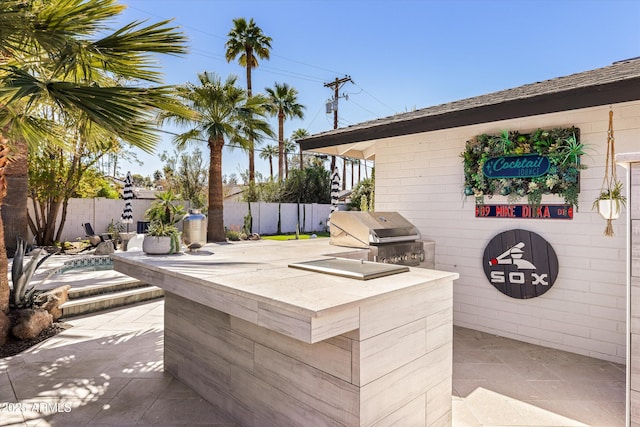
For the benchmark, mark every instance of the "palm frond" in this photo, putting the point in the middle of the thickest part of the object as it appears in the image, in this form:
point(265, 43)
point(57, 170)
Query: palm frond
point(128, 52)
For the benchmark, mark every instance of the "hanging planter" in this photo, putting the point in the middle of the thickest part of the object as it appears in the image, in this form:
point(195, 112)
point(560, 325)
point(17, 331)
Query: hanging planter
point(611, 200)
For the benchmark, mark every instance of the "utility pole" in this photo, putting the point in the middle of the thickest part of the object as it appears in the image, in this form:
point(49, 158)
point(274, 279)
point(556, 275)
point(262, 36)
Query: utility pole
point(336, 85)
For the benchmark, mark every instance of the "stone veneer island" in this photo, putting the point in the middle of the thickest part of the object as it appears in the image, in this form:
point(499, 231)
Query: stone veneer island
point(277, 346)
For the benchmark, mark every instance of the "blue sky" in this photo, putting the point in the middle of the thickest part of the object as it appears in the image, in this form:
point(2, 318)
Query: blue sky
point(401, 55)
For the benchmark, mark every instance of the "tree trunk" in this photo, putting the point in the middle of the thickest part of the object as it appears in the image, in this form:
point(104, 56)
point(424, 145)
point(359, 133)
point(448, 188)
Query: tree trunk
point(286, 165)
point(352, 171)
point(280, 145)
point(252, 154)
point(4, 261)
point(63, 219)
point(344, 173)
point(14, 212)
point(215, 218)
point(252, 162)
point(301, 158)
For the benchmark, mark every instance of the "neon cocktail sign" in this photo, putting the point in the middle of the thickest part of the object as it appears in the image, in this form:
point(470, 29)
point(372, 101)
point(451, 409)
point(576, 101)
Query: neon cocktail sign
point(526, 166)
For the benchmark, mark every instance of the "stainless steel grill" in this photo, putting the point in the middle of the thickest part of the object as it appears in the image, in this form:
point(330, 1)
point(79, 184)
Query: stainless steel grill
point(389, 237)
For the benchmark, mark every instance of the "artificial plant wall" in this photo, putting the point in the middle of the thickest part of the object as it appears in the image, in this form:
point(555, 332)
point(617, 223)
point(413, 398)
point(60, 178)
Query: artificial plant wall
point(561, 146)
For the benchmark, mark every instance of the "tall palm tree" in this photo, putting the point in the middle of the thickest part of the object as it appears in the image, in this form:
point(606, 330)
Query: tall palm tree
point(223, 113)
point(247, 41)
point(268, 153)
point(295, 136)
point(54, 53)
point(283, 103)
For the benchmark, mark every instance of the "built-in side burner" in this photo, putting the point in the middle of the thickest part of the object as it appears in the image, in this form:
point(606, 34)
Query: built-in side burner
point(355, 269)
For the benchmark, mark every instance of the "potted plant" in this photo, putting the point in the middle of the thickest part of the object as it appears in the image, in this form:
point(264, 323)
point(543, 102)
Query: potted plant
point(163, 237)
point(610, 202)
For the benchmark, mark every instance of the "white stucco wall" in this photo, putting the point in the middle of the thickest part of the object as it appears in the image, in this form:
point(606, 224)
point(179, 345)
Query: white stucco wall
point(421, 176)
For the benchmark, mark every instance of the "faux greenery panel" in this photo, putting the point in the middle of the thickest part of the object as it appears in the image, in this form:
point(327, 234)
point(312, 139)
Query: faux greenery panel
point(561, 146)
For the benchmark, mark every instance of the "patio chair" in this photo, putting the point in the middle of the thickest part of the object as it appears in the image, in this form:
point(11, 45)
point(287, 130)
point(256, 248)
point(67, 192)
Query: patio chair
point(94, 239)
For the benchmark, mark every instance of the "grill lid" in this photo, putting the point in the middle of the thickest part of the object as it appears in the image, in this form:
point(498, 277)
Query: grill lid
point(361, 229)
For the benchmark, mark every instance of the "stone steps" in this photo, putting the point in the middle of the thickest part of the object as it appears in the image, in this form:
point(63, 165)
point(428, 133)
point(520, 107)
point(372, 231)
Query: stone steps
point(89, 299)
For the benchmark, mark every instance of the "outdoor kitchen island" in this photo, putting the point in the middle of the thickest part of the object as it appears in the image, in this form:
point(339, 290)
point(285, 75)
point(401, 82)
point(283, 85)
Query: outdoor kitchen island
point(274, 346)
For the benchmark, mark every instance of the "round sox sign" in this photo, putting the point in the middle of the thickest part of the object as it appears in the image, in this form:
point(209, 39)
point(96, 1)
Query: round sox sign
point(520, 264)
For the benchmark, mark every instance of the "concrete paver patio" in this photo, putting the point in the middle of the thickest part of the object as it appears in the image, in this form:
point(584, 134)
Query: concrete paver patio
point(108, 371)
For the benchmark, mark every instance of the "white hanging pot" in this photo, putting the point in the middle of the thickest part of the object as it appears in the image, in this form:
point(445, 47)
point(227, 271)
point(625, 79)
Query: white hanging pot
point(609, 209)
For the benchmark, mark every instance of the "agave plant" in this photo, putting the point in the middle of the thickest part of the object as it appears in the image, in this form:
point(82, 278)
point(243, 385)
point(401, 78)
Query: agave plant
point(22, 293)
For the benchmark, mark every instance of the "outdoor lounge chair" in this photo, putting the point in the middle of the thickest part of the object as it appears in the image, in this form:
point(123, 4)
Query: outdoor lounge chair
point(94, 239)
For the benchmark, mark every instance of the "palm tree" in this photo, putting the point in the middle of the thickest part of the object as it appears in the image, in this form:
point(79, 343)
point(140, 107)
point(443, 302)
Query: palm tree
point(249, 42)
point(223, 113)
point(283, 102)
point(295, 136)
point(48, 58)
point(268, 153)
point(289, 147)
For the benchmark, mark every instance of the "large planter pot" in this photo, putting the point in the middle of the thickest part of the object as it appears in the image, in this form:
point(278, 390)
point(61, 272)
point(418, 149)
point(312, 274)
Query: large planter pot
point(154, 245)
point(194, 230)
point(608, 209)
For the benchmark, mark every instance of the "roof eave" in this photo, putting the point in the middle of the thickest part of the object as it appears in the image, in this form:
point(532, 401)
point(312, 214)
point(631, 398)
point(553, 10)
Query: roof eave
point(582, 97)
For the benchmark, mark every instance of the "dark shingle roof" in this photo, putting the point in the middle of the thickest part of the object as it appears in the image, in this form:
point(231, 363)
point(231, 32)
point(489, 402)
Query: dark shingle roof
point(619, 82)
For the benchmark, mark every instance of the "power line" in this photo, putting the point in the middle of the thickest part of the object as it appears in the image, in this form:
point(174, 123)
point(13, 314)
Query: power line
point(336, 85)
point(371, 95)
point(216, 56)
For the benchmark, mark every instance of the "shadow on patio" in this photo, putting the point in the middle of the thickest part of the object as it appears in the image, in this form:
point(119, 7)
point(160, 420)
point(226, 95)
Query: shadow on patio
point(108, 371)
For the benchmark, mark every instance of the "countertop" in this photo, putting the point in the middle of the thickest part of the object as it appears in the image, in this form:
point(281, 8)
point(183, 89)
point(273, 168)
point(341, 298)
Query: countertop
point(244, 278)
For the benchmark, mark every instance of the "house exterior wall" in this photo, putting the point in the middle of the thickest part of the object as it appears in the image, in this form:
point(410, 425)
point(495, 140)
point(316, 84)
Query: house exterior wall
point(421, 176)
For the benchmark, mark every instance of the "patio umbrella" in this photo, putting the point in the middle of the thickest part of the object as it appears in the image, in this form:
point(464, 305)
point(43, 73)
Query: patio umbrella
point(127, 195)
point(335, 190)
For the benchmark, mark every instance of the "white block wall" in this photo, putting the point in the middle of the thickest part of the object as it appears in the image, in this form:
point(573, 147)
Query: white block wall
point(421, 176)
point(101, 212)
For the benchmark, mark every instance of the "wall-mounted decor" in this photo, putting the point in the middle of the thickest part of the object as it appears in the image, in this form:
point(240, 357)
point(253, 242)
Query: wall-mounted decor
point(520, 264)
point(524, 211)
point(518, 165)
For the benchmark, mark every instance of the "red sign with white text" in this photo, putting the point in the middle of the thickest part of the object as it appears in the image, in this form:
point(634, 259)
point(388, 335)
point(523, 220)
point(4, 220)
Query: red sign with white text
point(525, 211)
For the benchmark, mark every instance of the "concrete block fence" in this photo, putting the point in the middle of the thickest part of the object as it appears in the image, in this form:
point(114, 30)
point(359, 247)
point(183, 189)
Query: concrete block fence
point(100, 212)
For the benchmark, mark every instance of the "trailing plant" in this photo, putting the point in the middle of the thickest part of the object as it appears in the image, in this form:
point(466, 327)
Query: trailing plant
point(561, 146)
point(22, 295)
